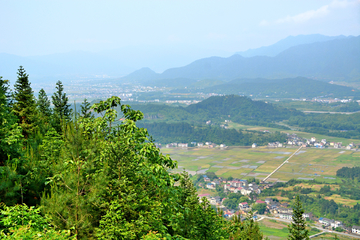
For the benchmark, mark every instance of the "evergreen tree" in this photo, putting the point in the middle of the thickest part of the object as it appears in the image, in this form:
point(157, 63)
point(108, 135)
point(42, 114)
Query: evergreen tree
point(85, 109)
point(9, 128)
point(25, 105)
point(62, 109)
point(297, 228)
point(43, 104)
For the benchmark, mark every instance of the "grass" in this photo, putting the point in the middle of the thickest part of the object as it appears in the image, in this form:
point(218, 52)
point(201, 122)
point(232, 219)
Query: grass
point(273, 229)
point(277, 229)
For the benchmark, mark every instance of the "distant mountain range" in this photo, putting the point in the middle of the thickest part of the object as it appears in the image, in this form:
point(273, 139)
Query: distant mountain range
point(313, 56)
point(333, 60)
point(286, 43)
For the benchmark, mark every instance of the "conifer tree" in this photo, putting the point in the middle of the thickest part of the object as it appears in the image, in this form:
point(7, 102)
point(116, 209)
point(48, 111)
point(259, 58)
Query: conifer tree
point(24, 106)
point(85, 109)
point(7, 123)
point(43, 103)
point(62, 109)
point(297, 228)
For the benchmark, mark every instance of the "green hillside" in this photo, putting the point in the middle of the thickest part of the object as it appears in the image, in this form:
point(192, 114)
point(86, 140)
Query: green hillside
point(283, 88)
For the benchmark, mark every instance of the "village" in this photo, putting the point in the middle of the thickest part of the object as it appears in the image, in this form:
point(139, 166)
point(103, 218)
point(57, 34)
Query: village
point(269, 207)
point(292, 141)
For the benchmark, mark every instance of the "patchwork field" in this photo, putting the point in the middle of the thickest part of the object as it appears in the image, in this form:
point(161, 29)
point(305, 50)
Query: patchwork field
point(274, 229)
point(331, 236)
point(240, 162)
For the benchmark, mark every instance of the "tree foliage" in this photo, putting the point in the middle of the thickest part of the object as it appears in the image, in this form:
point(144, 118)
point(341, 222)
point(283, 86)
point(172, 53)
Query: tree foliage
point(94, 179)
point(24, 106)
point(62, 109)
point(297, 228)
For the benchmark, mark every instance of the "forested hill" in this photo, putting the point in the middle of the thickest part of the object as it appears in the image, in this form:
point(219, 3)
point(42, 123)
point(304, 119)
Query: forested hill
point(240, 109)
point(282, 88)
point(219, 108)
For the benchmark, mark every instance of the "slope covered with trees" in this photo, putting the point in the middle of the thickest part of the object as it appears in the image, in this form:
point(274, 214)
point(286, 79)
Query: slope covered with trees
point(186, 133)
point(87, 178)
point(282, 88)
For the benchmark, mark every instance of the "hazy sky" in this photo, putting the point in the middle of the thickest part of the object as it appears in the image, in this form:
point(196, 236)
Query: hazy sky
point(45, 27)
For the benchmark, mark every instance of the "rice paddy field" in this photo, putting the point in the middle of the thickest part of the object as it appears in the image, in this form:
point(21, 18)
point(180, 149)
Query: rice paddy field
point(241, 162)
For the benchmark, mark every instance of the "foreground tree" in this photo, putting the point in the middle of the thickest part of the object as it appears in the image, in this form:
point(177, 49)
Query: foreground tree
point(297, 228)
point(62, 109)
point(101, 181)
point(24, 106)
point(113, 183)
point(7, 122)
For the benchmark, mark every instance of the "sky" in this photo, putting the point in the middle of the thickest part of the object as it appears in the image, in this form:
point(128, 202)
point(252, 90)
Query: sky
point(38, 27)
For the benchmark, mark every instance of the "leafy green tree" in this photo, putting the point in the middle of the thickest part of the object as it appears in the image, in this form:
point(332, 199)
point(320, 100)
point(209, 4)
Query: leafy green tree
point(24, 106)
point(10, 148)
point(297, 228)
point(85, 109)
point(23, 222)
point(73, 200)
point(246, 230)
point(62, 109)
point(260, 208)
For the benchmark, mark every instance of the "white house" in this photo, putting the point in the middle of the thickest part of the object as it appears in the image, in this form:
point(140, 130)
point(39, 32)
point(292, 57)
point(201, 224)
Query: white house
point(245, 191)
point(355, 229)
point(287, 216)
point(254, 145)
point(243, 205)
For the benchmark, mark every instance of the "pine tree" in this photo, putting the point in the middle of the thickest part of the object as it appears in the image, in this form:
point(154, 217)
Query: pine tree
point(43, 103)
point(85, 109)
point(8, 123)
point(62, 109)
point(25, 105)
point(297, 228)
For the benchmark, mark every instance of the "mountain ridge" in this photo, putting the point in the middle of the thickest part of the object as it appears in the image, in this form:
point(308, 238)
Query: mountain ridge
point(334, 60)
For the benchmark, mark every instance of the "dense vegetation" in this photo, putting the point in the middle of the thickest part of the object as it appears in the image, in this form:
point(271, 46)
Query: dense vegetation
point(186, 133)
point(217, 109)
point(279, 88)
point(337, 125)
point(243, 110)
point(65, 175)
point(319, 106)
point(347, 172)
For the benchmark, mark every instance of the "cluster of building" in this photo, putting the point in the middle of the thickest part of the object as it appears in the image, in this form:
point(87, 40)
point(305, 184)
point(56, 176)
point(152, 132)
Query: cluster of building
point(234, 186)
point(278, 209)
point(294, 140)
point(194, 144)
point(242, 186)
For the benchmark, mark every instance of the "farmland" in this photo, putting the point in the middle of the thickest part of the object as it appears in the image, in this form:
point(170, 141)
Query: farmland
point(241, 162)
